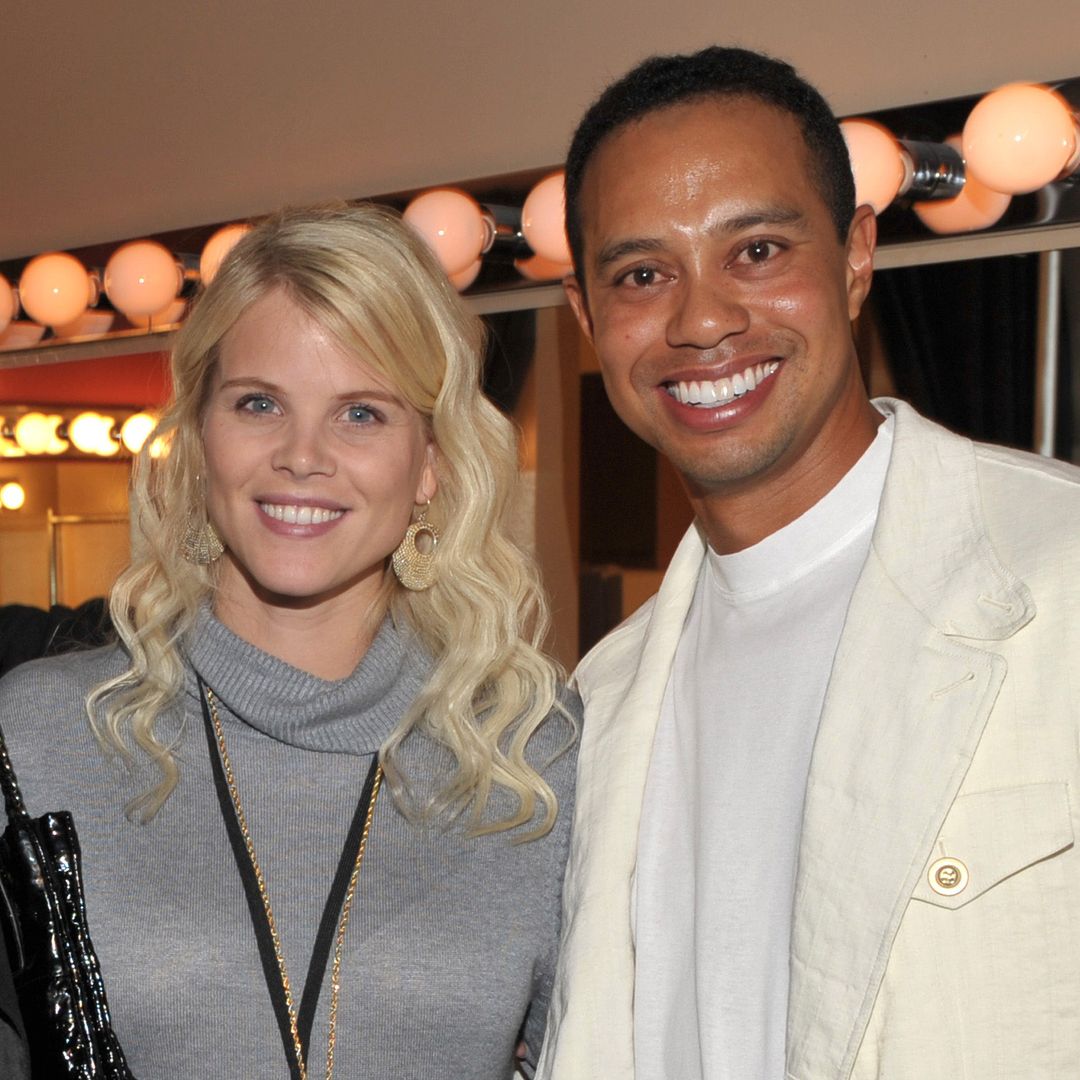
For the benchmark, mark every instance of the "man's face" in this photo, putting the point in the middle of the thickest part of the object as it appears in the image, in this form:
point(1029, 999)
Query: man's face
point(719, 297)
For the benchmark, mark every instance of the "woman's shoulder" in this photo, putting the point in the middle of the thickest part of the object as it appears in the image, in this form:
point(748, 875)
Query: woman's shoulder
point(75, 672)
point(42, 694)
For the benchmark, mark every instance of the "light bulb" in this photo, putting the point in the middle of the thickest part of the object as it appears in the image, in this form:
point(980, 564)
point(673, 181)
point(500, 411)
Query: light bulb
point(543, 218)
point(453, 225)
point(142, 278)
point(89, 432)
point(12, 495)
point(1020, 137)
point(975, 207)
point(7, 303)
point(537, 268)
point(217, 247)
point(55, 288)
point(464, 278)
point(173, 312)
point(135, 431)
point(34, 432)
point(876, 163)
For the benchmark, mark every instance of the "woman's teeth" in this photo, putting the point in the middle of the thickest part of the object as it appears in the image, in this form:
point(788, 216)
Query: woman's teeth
point(299, 515)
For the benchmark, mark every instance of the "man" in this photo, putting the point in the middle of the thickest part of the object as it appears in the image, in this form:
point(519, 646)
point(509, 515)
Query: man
point(829, 780)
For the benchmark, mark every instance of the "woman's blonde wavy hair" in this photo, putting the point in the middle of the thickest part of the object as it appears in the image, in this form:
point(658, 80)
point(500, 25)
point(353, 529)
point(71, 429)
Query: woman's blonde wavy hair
point(366, 278)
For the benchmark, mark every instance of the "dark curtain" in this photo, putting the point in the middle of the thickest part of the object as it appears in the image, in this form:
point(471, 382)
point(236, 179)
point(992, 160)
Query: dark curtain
point(960, 343)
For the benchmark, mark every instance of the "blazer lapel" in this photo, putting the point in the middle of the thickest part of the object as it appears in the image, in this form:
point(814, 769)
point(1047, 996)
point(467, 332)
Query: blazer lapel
point(906, 706)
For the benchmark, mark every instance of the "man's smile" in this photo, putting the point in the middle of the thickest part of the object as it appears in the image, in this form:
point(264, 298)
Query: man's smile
point(708, 392)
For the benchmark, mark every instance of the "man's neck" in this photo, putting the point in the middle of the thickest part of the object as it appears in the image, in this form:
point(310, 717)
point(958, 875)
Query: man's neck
point(742, 515)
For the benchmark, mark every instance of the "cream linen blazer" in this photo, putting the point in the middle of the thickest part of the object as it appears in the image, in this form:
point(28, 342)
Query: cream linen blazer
point(937, 905)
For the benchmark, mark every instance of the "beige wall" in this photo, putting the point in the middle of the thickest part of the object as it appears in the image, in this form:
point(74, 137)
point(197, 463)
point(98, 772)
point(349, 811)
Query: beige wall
point(124, 118)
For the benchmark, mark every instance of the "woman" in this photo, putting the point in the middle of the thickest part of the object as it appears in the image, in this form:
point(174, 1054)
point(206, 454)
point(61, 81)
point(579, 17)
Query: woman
point(264, 904)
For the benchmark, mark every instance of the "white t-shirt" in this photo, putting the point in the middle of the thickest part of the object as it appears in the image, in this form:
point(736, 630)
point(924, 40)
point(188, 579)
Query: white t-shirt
point(722, 816)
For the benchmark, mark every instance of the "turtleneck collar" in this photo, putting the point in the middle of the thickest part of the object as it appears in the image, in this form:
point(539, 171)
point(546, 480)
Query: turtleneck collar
point(351, 715)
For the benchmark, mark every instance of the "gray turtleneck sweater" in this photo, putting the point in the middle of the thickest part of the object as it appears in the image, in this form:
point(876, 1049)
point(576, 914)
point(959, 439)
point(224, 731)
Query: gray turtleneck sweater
point(451, 946)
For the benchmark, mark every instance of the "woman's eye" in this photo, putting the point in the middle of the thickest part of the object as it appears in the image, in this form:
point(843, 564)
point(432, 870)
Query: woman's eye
point(257, 404)
point(359, 414)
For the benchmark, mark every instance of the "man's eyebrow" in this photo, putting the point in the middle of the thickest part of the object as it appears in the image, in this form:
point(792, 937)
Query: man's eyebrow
point(621, 248)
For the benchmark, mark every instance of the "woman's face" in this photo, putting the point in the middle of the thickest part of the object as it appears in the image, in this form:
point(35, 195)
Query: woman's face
point(313, 463)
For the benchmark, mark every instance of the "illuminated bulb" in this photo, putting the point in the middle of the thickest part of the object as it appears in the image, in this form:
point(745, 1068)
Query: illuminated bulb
point(34, 432)
point(976, 207)
point(56, 444)
point(453, 225)
point(136, 430)
point(8, 446)
point(172, 313)
point(217, 247)
point(1020, 137)
point(142, 278)
point(55, 288)
point(543, 219)
point(537, 268)
point(12, 495)
point(91, 433)
point(876, 163)
point(8, 304)
point(159, 448)
point(464, 278)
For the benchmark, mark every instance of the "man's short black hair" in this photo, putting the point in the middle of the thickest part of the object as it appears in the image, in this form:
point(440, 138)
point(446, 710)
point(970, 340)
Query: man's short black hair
point(663, 81)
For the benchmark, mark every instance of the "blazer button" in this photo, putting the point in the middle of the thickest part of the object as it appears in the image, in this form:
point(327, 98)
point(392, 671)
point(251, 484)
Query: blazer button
point(948, 876)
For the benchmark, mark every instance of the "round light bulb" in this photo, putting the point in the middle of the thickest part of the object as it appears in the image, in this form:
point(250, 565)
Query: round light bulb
point(170, 314)
point(453, 225)
point(142, 278)
point(35, 431)
point(1019, 138)
point(543, 218)
point(537, 268)
point(12, 495)
point(464, 278)
point(976, 207)
point(56, 444)
point(159, 448)
point(7, 303)
point(89, 431)
point(136, 430)
point(217, 247)
point(876, 163)
point(55, 288)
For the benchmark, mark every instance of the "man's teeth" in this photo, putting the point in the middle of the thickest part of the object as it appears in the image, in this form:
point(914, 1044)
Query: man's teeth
point(299, 515)
point(723, 390)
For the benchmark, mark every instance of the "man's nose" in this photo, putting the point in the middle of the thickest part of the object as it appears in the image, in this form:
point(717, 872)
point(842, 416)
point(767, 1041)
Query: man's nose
point(706, 311)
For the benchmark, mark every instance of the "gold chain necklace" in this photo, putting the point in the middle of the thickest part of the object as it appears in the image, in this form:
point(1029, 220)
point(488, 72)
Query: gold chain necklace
point(346, 908)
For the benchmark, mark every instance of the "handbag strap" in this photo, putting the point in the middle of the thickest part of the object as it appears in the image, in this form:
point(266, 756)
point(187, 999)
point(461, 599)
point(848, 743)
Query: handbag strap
point(13, 800)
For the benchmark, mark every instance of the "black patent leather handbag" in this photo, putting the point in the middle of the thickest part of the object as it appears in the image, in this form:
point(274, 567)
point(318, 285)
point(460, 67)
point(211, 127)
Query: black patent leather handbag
point(57, 975)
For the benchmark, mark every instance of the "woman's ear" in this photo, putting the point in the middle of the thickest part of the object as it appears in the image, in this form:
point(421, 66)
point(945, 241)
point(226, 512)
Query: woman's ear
point(428, 486)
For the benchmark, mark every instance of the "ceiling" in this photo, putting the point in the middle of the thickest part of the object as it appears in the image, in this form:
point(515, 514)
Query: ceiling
point(125, 118)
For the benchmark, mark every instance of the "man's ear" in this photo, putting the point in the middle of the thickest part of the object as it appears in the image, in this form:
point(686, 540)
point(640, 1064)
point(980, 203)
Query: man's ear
point(861, 241)
point(580, 304)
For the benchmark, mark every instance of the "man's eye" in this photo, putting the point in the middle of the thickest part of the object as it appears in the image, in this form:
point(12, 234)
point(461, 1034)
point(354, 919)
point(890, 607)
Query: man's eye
point(640, 277)
point(759, 251)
